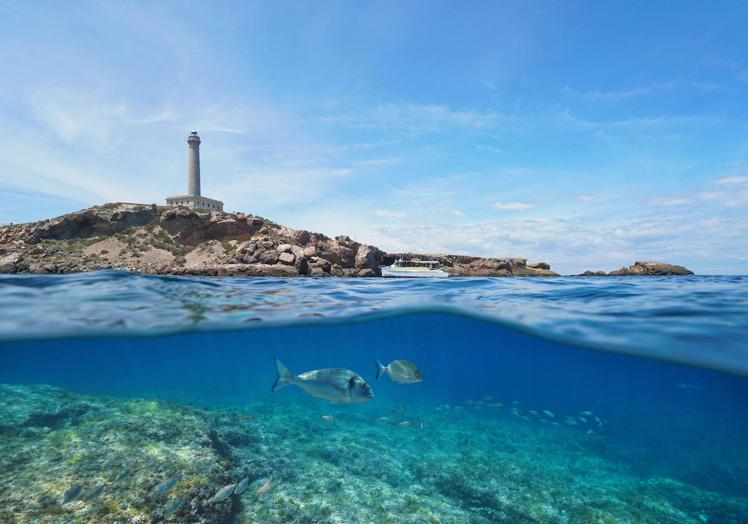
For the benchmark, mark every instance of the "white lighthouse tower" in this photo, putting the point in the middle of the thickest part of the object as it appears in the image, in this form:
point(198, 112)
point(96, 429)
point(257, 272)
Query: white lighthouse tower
point(193, 198)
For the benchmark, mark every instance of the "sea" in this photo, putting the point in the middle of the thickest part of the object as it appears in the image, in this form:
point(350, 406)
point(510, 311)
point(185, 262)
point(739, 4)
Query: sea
point(136, 398)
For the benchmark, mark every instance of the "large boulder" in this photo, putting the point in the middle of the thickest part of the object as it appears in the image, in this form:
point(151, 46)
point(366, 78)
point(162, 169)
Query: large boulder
point(368, 257)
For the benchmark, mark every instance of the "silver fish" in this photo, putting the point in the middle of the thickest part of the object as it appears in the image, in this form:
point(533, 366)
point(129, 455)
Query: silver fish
point(173, 506)
point(165, 486)
point(336, 384)
point(71, 493)
point(223, 493)
point(402, 371)
point(242, 486)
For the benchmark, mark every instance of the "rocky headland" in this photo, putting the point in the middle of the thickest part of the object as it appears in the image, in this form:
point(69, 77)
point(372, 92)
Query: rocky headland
point(181, 241)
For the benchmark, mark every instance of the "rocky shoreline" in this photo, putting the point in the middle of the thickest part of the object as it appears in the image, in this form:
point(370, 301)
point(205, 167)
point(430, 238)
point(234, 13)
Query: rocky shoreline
point(181, 241)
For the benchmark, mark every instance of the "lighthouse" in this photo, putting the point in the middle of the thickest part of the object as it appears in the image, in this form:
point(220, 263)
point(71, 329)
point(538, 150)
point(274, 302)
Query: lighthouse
point(193, 198)
point(193, 184)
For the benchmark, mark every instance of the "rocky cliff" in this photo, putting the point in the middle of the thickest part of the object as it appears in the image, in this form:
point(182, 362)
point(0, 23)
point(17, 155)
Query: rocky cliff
point(181, 241)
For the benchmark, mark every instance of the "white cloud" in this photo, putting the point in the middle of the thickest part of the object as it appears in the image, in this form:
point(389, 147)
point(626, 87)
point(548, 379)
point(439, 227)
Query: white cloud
point(733, 180)
point(587, 198)
point(513, 206)
point(457, 213)
point(413, 118)
point(667, 201)
point(380, 162)
point(387, 213)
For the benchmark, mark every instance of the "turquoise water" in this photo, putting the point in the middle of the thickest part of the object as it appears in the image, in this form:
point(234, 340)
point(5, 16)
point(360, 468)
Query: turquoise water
point(136, 399)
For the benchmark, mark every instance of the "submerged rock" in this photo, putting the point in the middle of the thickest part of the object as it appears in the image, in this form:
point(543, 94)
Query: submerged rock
point(458, 466)
point(105, 460)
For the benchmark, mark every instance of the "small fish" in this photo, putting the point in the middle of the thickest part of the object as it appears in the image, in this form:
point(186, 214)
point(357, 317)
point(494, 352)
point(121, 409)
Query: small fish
point(94, 493)
point(399, 410)
point(173, 506)
point(555, 424)
point(123, 473)
point(498, 405)
point(421, 424)
point(328, 418)
point(223, 493)
point(548, 413)
point(694, 387)
point(242, 486)
point(586, 413)
point(583, 419)
point(402, 371)
point(571, 421)
point(165, 486)
point(335, 385)
point(383, 420)
point(515, 402)
point(488, 397)
point(534, 413)
point(590, 432)
point(265, 487)
point(71, 493)
point(404, 424)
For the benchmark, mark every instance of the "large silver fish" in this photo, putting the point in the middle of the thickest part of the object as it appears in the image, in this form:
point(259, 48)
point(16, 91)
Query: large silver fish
point(402, 371)
point(336, 384)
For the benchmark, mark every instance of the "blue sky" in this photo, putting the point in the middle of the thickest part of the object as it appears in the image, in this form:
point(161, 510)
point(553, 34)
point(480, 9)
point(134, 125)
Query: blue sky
point(585, 134)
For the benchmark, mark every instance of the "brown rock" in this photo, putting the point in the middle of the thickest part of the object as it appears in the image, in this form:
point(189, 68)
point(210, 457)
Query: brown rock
point(268, 257)
point(651, 268)
point(287, 258)
point(368, 257)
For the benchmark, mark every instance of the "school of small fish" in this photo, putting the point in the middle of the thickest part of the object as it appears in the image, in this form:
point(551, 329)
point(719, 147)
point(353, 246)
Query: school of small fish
point(585, 420)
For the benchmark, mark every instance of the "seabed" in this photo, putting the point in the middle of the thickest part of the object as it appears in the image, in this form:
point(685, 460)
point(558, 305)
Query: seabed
point(73, 458)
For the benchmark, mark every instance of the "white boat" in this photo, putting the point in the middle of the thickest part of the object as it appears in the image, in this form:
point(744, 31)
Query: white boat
point(414, 269)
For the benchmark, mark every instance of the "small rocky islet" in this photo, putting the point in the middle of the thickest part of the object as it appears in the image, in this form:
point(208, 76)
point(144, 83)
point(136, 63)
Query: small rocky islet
point(70, 458)
point(163, 240)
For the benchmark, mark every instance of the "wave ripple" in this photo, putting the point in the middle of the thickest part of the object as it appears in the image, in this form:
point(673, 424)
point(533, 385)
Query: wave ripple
point(699, 320)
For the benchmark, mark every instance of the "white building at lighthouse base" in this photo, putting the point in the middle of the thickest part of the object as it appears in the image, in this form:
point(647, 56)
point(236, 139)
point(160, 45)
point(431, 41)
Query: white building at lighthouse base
point(197, 202)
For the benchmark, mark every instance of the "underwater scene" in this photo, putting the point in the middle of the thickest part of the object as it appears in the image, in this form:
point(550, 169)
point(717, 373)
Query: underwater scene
point(129, 398)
